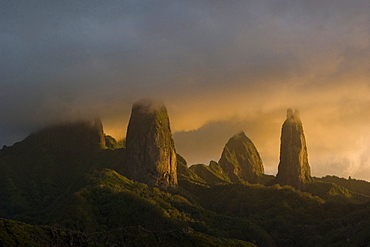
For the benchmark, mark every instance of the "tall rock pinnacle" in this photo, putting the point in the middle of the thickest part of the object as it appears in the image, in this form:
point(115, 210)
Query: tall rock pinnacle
point(293, 168)
point(241, 160)
point(150, 149)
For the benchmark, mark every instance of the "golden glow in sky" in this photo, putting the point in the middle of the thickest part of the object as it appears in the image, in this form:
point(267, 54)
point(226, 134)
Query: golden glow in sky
point(219, 66)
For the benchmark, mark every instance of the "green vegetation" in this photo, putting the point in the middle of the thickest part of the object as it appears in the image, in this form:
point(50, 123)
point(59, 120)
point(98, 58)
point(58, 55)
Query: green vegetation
point(355, 185)
point(184, 174)
point(17, 234)
point(335, 192)
point(119, 202)
point(289, 216)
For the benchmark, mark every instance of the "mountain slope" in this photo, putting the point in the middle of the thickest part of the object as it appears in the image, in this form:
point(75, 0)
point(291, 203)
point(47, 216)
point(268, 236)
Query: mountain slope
point(211, 174)
point(334, 192)
point(119, 202)
point(185, 175)
point(289, 216)
point(355, 185)
point(46, 165)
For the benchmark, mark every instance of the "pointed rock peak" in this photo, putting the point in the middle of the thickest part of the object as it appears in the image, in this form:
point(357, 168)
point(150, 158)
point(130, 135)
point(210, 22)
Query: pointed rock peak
point(240, 135)
point(293, 168)
point(241, 160)
point(151, 155)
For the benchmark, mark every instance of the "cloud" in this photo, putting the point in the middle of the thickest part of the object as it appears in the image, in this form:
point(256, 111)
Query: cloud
point(218, 66)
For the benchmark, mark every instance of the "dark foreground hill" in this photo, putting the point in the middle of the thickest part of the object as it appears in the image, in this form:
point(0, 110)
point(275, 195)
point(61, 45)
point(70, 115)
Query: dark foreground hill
point(289, 216)
point(13, 233)
point(71, 182)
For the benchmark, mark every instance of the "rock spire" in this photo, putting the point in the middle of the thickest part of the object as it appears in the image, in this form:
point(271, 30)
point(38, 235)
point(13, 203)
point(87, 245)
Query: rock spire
point(150, 149)
point(293, 168)
point(241, 160)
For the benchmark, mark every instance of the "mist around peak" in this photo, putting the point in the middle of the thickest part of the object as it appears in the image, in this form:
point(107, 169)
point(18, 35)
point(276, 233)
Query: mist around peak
point(148, 105)
point(293, 115)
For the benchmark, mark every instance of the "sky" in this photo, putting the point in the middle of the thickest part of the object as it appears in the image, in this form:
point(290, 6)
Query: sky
point(219, 66)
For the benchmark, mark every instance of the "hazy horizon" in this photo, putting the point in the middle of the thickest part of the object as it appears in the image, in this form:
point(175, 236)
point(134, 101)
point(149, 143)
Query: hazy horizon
point(219, 66)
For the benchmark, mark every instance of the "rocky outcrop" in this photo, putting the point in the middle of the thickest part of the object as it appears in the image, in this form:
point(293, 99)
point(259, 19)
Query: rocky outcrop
point(185, 175)
point(112, 143)
point(211, 174)
point(151, 155)
point(241, 160)
point(293, 168)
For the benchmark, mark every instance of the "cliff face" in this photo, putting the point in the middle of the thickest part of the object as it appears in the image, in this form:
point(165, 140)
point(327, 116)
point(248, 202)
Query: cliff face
point(98, 126)
point(293, 168)
point(151, 155)
point(241, 160)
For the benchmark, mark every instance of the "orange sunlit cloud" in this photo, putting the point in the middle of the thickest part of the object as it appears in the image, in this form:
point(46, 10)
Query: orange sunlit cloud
point(220, 67)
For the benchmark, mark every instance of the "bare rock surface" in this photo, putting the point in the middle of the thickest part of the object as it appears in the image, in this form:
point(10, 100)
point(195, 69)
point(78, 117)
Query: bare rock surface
point(241, 160)
point(293, 168)
point(151, 155)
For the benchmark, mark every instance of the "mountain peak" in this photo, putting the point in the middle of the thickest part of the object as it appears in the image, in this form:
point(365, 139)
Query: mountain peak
point(240, 135)
point(240, 159)
point(70, 136)
point(293, 168)
point(151, 155)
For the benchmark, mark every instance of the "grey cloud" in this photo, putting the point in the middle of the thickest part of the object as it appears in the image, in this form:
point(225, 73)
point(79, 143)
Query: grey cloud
point(66, 59)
